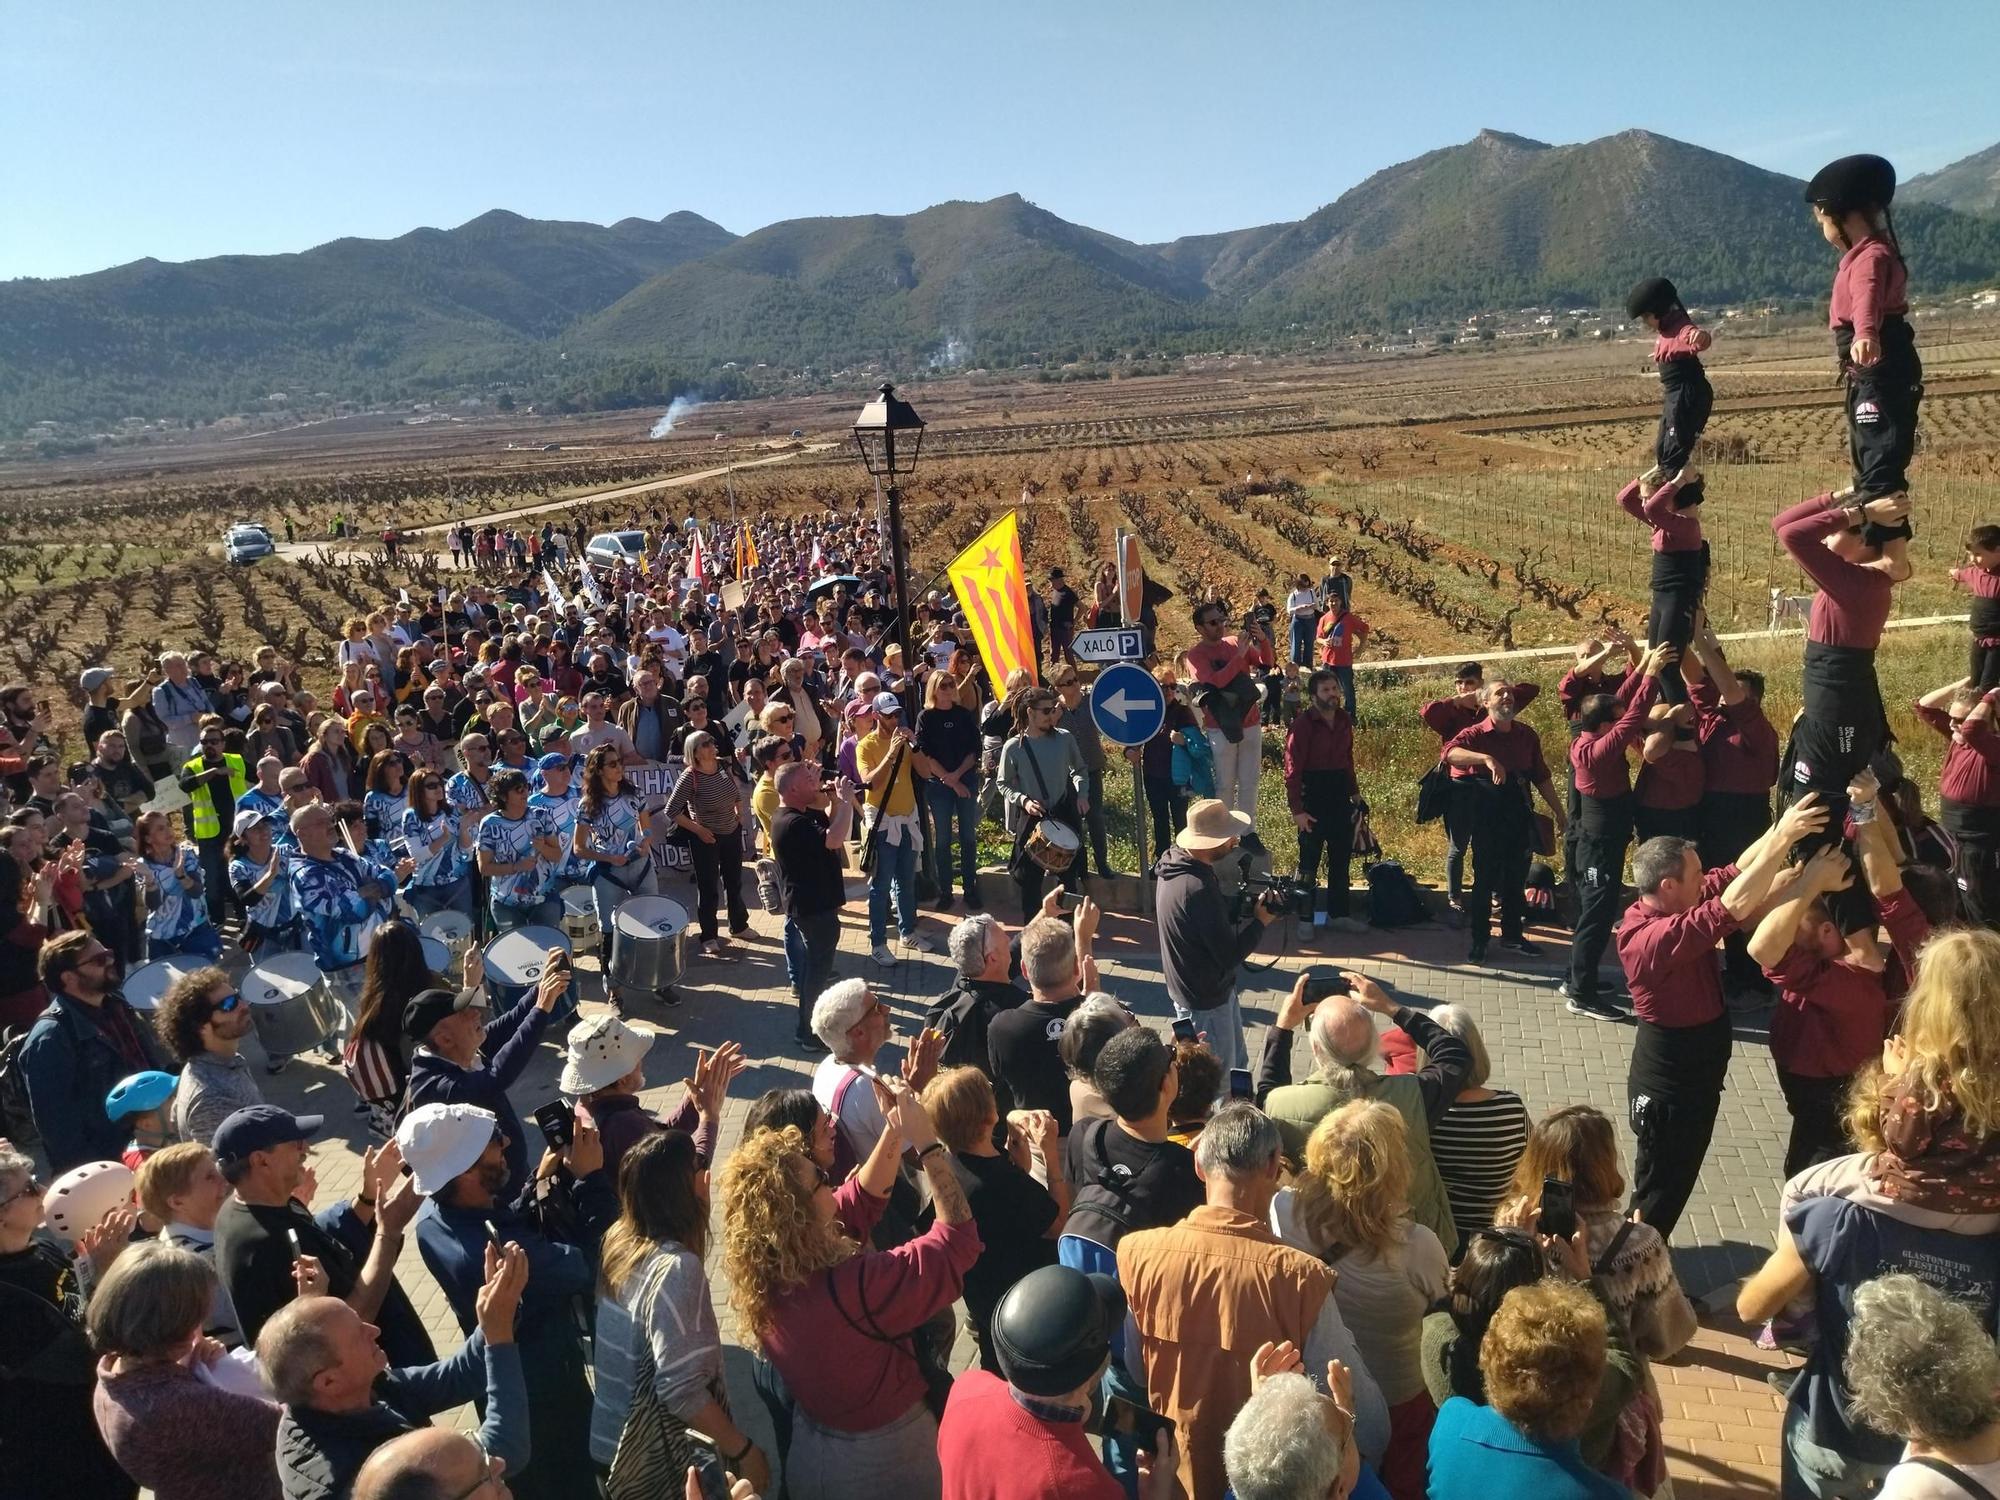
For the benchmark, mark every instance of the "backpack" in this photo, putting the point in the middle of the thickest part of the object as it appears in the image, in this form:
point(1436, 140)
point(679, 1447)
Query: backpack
point(960, 1017)
point(17, 1120)
point(1103, 1194)
point(1393, 897)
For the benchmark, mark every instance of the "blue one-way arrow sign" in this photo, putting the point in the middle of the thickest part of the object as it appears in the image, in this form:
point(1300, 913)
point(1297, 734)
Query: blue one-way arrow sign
point(1127, 705)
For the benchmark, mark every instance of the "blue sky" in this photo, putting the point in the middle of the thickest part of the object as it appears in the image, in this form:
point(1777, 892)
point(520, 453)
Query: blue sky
point(200, 128)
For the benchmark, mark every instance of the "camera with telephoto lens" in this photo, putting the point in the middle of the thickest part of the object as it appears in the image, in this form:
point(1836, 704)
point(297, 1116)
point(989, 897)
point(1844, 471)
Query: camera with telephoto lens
point(1279, 894)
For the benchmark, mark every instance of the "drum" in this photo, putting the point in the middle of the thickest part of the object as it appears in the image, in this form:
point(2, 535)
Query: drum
point(146, 985)
point(1052, 845)
point(514, 963)
point(454, 930)
point(235, 962)
point(579, 919)
point(437, 958)
point(289, 1005)
point(648, 934)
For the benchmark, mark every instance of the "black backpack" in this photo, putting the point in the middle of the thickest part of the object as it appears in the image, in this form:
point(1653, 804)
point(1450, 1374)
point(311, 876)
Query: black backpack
point(1103, 1197)
point(960, 1017)
point(17, 1120)
point(1393, 897)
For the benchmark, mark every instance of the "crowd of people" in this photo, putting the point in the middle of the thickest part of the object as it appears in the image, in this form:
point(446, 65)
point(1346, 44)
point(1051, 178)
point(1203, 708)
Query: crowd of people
point(1179, 1269)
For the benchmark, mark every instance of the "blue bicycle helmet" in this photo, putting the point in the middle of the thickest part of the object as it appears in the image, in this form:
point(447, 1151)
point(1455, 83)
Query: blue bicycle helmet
point(138, 1093)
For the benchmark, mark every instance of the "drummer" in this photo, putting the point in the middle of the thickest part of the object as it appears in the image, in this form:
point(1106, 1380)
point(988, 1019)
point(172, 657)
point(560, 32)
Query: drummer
point(519, 853)
point(611, 836)
point(557, 794)
point(257, 877)
point(267, 796)
point(343, 898)
point(439, 840)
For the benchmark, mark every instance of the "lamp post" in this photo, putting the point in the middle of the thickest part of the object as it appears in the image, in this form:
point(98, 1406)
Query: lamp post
point(889, 434)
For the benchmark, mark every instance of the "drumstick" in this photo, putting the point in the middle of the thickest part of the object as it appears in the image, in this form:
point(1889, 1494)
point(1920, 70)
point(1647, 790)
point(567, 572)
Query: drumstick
point(347, 834)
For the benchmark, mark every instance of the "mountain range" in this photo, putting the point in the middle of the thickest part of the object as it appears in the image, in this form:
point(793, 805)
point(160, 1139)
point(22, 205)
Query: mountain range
point(640, 310)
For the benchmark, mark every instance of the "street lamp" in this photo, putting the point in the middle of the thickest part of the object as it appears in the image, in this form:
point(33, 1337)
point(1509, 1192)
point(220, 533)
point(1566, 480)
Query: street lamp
point(890, 434)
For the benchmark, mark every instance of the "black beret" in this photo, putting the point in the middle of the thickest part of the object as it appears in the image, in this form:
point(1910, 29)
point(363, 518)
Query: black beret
point(1852, 184)
point(1655, 295)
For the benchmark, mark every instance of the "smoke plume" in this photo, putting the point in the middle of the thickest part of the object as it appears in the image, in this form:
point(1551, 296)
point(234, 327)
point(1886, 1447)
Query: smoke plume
point(677, 408)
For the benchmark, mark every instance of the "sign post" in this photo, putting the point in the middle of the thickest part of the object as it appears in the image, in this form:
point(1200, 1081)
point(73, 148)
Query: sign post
point(1121, 643)
point(1129, 708)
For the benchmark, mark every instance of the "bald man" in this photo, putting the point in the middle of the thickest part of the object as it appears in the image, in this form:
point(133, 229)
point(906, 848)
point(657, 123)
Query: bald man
point(431, 1464)
point(1347, 1058)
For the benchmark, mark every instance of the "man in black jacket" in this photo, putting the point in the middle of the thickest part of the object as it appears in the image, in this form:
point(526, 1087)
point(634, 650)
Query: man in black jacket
point(984, 959)
point(86, 1041)
point(1201, 950)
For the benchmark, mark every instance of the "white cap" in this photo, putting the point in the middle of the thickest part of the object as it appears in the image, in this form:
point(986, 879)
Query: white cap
point(80, 1198)
point(600, 1051)
point(440, 1141)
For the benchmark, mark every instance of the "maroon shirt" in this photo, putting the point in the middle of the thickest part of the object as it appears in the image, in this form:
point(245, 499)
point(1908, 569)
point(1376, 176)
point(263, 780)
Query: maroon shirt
point(1517, 747)
point(1597, 757)
point(1869, 286)
point(1670, 962)
point(1832, 1014)
point(1674, 781)
point(1678, 338)
point(1853, 601)
point(1574, 687)
point(1971, 774)
point(1447, 716)
point(1739, 748)
point(1315, 743)
point(1674, 530)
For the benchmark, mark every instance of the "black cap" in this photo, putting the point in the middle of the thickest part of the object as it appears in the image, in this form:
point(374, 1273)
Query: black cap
point(1655, 295)
point(1853, 184)
point(428, 1007)
point(1052, 1331)
point(259, 1127)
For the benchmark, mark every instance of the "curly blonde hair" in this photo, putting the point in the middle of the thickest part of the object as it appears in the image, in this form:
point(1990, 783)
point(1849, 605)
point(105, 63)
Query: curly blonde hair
point(1356, 1187)
point(772, 1241)
point(1543, 1357)
point(1951, 1027)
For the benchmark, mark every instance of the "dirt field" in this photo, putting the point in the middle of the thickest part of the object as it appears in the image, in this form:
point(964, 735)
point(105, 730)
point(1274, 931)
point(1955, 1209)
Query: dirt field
point(1472, 495)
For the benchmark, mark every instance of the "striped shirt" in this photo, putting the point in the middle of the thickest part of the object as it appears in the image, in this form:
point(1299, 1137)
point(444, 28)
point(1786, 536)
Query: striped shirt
point(712, 797)
point(666, 1302)
point(1476, 1147)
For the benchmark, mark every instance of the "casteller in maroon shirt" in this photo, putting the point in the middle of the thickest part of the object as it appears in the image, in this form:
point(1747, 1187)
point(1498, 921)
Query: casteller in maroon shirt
point(1670, 962)
point(1446, 717)
point(1674, 781)
point(1853, 602)
point(1517, 747)
point(1597, 757)
point(1971, 775)
point(1869, 285)
point(1739, 748)
point(1833, 1013)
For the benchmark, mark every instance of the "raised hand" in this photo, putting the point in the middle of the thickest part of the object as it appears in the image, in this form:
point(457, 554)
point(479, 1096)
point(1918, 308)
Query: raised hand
point(1275, 1359)
point(1802, 819)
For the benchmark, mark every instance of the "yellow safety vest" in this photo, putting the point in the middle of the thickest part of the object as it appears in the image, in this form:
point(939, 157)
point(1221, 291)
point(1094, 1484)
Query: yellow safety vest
point(206, 824)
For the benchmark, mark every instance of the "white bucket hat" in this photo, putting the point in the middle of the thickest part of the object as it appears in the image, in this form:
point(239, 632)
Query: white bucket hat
point(600, 1051)
point(440, 1141)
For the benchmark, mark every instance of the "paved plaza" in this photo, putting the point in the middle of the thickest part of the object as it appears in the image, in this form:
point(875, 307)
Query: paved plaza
point(1722, 1418)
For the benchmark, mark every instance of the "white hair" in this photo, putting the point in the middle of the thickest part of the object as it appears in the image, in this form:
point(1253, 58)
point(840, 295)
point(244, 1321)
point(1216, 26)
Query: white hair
point(1457, 1020)
point(968, 942)
point(1279, 1447)
point(1048, 956)
point(839, 1008)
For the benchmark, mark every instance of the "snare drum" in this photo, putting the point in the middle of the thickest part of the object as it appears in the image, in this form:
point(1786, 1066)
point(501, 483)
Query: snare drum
point(437, 958)
point(514, 963)
point(579, 918)
point(648, 934)
point(288, 1003)
point(146, 985)
point(1052, 845)
point(454, 930)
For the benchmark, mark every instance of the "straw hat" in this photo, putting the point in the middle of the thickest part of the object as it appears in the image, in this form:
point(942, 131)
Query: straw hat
point(1210, 825)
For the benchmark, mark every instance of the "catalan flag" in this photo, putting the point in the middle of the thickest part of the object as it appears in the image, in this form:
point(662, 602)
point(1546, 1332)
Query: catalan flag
point(992, 587)
point(746, 552)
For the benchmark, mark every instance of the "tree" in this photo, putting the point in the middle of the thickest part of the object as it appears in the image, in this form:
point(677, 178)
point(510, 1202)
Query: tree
point(506, 401)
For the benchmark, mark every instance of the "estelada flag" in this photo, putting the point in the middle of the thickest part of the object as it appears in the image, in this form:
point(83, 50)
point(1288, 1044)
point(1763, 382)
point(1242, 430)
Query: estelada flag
point(992, 588)
point(746, 552)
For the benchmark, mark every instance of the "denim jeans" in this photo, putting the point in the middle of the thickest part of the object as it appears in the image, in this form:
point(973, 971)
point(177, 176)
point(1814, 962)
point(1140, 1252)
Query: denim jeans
point(543, 913)
point(949, 811)
point(810, 943)
point(429, 900)
point(1223, 1026)
point(1302, 639)
point(895, 872)
point(613, 885)
point(1346, 678)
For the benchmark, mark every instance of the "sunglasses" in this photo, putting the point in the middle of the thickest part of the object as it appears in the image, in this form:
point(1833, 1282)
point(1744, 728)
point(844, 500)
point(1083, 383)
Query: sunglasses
point(227, 1003)
point(34, 1187)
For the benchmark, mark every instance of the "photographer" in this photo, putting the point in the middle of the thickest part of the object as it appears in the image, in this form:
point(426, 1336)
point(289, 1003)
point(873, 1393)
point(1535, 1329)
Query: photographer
point(1201, 949)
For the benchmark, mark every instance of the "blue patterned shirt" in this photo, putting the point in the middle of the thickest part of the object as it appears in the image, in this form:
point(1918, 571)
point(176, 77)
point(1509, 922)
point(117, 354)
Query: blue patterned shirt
point(615, 829)
point(273, 808)
point(178, 911)
point(573, 867)
point(279, 905)
point(511, 840)
point(419, 833)
point(467, 795)
point(336, 913)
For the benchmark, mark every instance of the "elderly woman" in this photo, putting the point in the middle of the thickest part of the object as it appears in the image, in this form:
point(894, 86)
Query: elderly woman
point(1089, 1027)
point(1351, 1207)
point(1017, 1217)
point(1478, 1140)
point(169, 1427)
point(836, 1322)
point(792, 690)
point(1923, 1367)
point(1543, 1359)
point(656, 1315)
point(706, 804)
point(1495, 1262)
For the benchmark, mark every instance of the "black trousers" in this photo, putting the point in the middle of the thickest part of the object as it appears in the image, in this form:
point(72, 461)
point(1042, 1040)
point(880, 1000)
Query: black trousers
point(1678, 582)
point(1599, 878)
point(1976, 831)
point(1169, 808)
point(1458, 820)
point(1985, 665)
point(1882, 403)
point(215, 878)
point(1686, 401)
point(718, 874)
point(1825, 752)
point(1731, 822)
point(1654, 822)
point(1673, 1131)
point(1497, 819)
point(1819, 1132)
point(1331, 838)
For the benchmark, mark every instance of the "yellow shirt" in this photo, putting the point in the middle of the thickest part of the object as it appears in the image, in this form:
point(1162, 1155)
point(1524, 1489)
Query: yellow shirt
point(764, 806)
point(870, 755)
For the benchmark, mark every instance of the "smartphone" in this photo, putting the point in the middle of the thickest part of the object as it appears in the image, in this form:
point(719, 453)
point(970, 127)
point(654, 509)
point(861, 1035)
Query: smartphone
point(1184, 1029)
point(293, 1236)
point(558, 959)
point(1558, 1216)
point(493, 1235)
point(1240, 1086)
point(1122, 1418)
point(1068, 900)
point(1322, 984)
point(556, 1123)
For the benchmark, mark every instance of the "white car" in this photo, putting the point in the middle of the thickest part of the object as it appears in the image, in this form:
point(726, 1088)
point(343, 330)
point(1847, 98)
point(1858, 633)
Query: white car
point(608, 549)
point(246, 542)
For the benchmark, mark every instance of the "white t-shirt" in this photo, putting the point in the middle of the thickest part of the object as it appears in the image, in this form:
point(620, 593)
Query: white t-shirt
point(1301, 602)
point(1910, 1481)
point(861, 1119)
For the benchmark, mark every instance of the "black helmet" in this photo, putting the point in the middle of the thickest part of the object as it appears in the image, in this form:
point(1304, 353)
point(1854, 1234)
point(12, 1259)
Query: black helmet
point(1052, 1331)
point(1655, 295)
point(1854, 184)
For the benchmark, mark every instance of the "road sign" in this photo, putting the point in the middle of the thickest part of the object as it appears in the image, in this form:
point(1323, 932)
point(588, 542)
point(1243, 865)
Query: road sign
point(1127, 705)
point(1126, 644)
